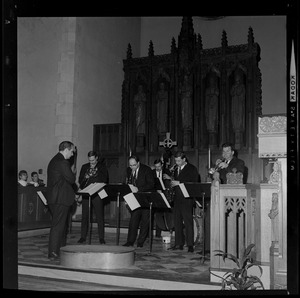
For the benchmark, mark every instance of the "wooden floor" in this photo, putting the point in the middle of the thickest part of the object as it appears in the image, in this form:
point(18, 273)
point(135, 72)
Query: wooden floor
point(33, 283)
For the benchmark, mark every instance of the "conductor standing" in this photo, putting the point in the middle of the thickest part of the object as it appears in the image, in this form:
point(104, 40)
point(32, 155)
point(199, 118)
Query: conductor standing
point(60, 196)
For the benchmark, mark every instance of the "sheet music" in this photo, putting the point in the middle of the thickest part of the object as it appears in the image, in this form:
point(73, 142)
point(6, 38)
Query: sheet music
point(42, 197)
point(184, 190)
point(102, 193)
point(165, 199)
point(133, 188)
point(162, 183)
point(132, 201)
point(199, 205)
point(92, 188)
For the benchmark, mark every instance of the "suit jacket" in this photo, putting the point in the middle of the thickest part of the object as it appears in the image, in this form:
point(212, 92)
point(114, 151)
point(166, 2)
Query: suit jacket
point(145, 178)
point(234, 163)
point(188, 174)
point(60, 179)
point(101, 176)
point(157, 183)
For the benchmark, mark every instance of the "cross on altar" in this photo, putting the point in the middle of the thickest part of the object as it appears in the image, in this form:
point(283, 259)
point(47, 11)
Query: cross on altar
point(167, 142)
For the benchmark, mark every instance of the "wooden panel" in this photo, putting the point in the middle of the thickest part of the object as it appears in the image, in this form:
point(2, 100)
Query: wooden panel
point(106, 138)
point(32, 213)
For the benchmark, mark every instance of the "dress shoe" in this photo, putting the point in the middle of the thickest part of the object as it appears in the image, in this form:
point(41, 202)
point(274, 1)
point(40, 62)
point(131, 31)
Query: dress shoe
point(139, 245)
point(190, 249)
point(53, 256)
point(81, 240)
point(128, 244)
point(102, 241)
point(176, 247)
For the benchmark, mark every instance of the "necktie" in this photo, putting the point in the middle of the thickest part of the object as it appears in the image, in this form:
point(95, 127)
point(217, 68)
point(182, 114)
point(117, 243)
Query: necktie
point(133, 178)
point(179, 170)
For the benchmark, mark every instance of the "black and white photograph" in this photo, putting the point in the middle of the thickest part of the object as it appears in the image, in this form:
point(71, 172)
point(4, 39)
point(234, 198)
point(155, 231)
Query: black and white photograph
point(152, 152)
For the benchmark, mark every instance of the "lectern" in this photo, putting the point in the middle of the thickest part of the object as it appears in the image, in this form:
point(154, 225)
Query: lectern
point(147, 200)
point(197, 190)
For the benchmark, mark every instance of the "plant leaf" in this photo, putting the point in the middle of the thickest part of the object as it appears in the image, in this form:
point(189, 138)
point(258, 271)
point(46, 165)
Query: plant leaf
point(219, 251)
point(233, 258)
point(248, 284)
point(255, 279)
point(227, 274)
point(252, 265)
point(219, 254)
point(245, 260)
point(248, 249)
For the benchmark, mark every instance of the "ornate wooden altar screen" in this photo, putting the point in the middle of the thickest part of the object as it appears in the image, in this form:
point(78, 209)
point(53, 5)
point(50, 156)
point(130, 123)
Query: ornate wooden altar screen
point(201, 97)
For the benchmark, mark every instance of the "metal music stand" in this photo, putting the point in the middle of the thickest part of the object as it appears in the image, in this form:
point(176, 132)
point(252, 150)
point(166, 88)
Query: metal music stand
point(198, 190)
point(151, 200)
point(117, 190)
point(89, 192)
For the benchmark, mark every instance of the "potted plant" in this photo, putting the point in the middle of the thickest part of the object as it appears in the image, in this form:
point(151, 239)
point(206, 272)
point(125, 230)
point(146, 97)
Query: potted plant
point(238, 278)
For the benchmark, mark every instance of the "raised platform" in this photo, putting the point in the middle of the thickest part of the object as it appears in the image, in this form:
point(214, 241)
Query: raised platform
point(97, 256)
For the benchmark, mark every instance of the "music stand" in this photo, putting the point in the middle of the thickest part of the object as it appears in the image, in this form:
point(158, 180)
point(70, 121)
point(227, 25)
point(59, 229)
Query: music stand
point(197, 190)
point(116, 190)
point(147, 200)
point(89, 191)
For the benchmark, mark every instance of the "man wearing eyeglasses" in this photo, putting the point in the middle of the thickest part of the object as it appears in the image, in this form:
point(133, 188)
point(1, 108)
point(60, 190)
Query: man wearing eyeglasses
point(141, 177)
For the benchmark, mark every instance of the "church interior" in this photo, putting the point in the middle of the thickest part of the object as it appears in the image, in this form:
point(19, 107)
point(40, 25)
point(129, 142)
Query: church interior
point(79, 79)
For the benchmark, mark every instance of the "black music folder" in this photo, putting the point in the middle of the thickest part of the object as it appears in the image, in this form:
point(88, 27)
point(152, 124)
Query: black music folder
point(115, 189)
point(195, 189)
point(92, 188)
point(144, 199)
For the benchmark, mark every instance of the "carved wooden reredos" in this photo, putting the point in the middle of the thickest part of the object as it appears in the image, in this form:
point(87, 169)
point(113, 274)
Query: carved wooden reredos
point(198, 115)
point(201, 97)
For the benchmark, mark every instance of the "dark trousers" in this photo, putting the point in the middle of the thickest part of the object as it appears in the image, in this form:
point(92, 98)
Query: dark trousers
point(139, 217)
point(58, 229)
point(98, 206)
point(183, 219)
point(158, 231)
point(158, 215)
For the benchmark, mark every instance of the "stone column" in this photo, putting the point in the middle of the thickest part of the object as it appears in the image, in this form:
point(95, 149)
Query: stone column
point(65, 127)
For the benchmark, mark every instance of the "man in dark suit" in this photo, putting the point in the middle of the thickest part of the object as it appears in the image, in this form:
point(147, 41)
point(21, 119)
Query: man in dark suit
point(228, 163)
point(183, 207)
point(141, 177)
point(161, 184)
point(60, 196)
point(91, 172)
